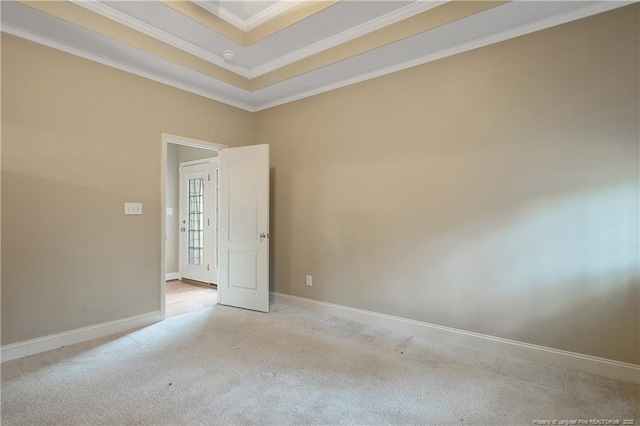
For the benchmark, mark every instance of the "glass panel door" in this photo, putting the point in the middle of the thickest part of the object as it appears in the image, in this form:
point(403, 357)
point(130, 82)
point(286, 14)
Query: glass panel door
point(196, 207)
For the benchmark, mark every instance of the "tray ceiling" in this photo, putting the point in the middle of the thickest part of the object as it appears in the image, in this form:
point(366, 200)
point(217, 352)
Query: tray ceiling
point(284, 50)
point(242, 10)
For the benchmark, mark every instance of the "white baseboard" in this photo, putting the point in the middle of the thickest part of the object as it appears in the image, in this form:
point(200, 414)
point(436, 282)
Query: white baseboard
point(172, 276)
point(54, 341)
point(565, 359)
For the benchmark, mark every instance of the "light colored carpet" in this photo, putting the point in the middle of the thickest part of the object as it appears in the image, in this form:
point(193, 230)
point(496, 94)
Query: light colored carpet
point(230, 366)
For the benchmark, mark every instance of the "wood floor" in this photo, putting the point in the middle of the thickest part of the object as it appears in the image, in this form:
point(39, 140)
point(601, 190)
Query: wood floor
point(184, 296)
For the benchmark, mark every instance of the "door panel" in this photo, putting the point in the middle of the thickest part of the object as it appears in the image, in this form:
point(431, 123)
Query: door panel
point(242, 269)
point(244, 227)
point(243, 224)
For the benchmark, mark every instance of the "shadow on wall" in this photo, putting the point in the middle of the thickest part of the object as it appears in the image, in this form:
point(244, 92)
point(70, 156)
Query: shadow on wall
point(280, 256)
point(71, 258)
point(559, 271)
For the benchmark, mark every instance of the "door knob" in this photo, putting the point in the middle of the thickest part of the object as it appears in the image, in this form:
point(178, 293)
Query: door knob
point(263, 236)
point(183, 229)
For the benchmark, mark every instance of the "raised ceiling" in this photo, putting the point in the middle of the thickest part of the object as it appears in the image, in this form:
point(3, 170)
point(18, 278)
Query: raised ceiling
point(241, 11)
point(284, 50)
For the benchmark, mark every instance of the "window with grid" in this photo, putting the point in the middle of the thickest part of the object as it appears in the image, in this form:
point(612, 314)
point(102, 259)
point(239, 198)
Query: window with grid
point(195, 244)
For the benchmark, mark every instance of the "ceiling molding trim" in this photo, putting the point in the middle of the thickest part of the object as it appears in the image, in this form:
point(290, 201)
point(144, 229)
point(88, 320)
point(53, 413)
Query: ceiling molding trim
point(126, 68)
point(256, 20)
point(269, 13)
point(345, 36)
point(433, 18)
point(292, 16)
point(223, 13)
point(84, 18)
point(465, 47)
point(253, 107)
point(296, 13)
point(210, 20)
point(133, 23)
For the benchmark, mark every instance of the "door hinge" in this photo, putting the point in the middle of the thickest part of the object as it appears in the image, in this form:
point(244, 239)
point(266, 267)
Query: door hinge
point(209, 177)
point(208, 222)
point(207, 266)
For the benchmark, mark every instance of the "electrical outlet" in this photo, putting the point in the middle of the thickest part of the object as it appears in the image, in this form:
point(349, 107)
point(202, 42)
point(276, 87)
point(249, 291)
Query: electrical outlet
point(309, 280)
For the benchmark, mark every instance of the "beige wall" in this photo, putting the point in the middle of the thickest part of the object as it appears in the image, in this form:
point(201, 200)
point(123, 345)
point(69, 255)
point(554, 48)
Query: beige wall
point(494, 191)
point(187, 153)
point(78, 140)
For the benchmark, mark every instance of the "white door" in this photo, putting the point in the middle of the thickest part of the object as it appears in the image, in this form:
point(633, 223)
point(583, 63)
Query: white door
point(198, 257)
point(244, 227)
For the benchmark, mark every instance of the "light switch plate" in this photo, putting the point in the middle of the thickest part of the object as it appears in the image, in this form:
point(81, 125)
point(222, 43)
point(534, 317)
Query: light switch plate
point(132, 208)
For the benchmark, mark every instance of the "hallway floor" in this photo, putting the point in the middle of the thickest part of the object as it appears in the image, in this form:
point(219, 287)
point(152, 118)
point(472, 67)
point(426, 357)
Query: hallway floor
point(188, 296)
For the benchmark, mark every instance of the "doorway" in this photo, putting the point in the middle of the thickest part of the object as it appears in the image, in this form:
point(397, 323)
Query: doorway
point(190, 199)
point(236, 231)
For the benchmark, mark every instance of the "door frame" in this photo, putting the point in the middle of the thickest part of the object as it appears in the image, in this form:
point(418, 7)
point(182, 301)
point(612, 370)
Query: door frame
point(177, 140)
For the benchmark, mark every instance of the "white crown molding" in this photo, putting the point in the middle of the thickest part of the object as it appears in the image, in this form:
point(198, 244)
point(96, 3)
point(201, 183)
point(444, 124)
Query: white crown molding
point(345, 36)
point(475, 44)
point(269, 13)
point(589, 364)
point(133, 23)
point(114, 64)
point(252, 22)
point(392, 17)
point(58, 340)
point(222, 13)
point(253, 106)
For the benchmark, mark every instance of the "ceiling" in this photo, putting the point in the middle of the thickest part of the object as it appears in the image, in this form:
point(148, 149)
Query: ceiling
point(284, 50)
point(242, 10)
